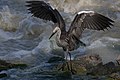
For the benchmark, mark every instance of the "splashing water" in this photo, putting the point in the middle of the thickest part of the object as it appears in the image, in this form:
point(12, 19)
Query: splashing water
point(24, 39)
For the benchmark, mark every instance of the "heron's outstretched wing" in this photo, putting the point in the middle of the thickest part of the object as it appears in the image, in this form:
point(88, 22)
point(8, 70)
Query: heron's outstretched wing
point(89, 20)
point(44, 11)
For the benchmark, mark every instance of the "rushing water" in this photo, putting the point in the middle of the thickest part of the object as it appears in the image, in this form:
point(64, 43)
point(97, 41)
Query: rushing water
point(24, 39)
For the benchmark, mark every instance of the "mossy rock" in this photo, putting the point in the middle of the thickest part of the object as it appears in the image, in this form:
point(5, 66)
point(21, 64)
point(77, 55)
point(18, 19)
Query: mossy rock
point(5, 65)
point(3, 75)
point(76, 68)
point(79, 69)
point(3, 68)
point(21, 66)
point(110, 79)
point(59, 75)
point(105, 69)
point(86, 65)
point(66, 75)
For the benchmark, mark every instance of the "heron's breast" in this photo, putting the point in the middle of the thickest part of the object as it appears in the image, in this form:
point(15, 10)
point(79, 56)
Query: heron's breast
point(61, 42)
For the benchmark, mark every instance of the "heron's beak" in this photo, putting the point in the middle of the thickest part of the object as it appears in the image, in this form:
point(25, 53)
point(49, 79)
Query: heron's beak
point(52, 34)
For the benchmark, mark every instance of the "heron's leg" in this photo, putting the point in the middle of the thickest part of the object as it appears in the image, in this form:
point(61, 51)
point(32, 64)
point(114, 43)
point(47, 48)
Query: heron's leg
point(70, 61)
point(71, 68)
point(65, 63)
point(62, 67)
point(66, 55)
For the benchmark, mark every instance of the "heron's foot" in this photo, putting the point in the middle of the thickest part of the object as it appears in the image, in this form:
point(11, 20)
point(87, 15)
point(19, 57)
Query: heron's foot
point(65, 66)
point(73, 71)
point(62, 67)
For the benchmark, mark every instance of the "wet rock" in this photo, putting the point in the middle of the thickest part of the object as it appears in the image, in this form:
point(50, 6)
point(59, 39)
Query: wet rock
point(118, 59)
point(80, 65)
point(3, 75)
point(105, 69)
point(115, 76)
point(66, 75)
point(90, 64)
point(5, 66)
point(78, 69)
point(58, 75)
point(86, 67)
point(88, 60)
point(21, 66)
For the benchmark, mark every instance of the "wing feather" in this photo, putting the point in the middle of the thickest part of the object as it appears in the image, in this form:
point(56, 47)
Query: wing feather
point(89, 20)
point(43, 10)
point(98, 25)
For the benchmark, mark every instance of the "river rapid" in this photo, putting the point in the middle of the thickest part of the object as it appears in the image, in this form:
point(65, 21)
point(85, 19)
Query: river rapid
point(25, 39)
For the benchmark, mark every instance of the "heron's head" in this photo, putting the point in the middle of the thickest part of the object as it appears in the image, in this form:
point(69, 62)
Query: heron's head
point(55, 31)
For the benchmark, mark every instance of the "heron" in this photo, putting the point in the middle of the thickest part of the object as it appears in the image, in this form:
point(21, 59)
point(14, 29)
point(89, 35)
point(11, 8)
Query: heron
point(69, 39)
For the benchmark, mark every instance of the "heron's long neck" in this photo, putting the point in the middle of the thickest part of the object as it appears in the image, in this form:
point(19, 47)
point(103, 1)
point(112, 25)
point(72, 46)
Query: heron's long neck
point(58, 34)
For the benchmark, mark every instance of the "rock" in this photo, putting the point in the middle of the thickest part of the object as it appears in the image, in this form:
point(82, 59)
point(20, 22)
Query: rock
point(66, 75)
point(118, 59)
point(90, 64)
point(89, 60)
point(79, 69)
point(105, 69)
point(5, 66)
point(3, 75)
point(115, 76)
point(21, 66)
point(87, 67)
point(80, 65)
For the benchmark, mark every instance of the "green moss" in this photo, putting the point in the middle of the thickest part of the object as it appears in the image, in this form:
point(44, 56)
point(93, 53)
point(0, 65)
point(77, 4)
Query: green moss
point(64, 75)
point(21, 66)
point(81, 70)
point(5, 65)
point(3, 75)
point(110, 79)
point(3, 68)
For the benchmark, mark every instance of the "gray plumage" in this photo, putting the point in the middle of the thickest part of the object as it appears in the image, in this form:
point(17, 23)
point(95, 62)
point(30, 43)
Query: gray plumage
point(69, 40)
point(84, 19)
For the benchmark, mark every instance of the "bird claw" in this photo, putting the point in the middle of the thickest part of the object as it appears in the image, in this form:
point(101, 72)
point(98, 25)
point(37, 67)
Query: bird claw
point(64, 66)
point(73, 71)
